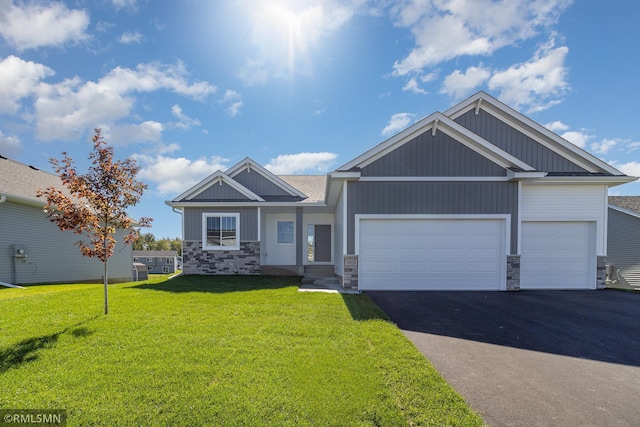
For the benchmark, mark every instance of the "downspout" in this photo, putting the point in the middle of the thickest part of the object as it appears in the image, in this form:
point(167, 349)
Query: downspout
point(3, 198)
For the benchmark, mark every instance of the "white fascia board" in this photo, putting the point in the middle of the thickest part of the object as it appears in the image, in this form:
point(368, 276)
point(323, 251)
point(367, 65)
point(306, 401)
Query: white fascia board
point(433, 178)
point(624, 211)
point(610, 181)
point(179, 205)
point(345, 175)
point(251, 164)
point(529, 127)
point(512, 175)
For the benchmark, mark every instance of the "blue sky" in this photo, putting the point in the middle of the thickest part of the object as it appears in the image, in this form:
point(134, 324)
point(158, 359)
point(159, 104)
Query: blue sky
point(302, 86)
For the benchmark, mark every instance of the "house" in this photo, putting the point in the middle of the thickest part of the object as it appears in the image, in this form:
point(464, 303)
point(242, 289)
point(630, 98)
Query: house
point(623, 243)
point(140, 272)
point(35, 250)
point(479, 197)
point(157, 262)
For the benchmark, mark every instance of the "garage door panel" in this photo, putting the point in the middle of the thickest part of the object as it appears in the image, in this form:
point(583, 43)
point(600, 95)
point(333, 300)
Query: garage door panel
point(558, 255)
point(431, 254)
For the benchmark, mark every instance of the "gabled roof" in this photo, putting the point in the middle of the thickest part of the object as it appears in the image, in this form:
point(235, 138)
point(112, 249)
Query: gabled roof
point(539, 133)
point(217, 177)
point(627, 204)
point(20, 182)
point(438, 122)
point(249, 164)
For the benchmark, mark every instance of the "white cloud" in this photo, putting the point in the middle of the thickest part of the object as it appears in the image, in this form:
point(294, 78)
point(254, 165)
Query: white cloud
point(604, 146)
point(444, 30)
point(174, 175)
point(232, 101)
point(412, 86)
point(130, 38)
point(149, 131)
point(579, 138)
point(67, 109)
point(556, 126)
point(284, 32)
point(397, 122)
point(37, 24)
point(125, 4)
point(19, 79)
point(185, 122)
point(536, 83)
point(458, 84)
point(289, 164)
point(10, 146)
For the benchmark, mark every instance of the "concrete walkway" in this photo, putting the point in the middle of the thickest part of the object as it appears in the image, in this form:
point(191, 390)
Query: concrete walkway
point(533, 358)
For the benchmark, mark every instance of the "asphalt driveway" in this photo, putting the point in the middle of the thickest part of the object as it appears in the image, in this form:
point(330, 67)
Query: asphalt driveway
point(531, 358)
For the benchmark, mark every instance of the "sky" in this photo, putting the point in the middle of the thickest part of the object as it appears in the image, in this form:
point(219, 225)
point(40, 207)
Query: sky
point(302, 86)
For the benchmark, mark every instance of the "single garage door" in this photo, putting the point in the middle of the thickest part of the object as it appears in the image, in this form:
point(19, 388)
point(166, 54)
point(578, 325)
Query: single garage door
point(431, 254)
point(558, 255)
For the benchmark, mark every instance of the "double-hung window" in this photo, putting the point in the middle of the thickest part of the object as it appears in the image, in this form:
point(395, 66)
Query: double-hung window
point(285, 232)
point(220, 231)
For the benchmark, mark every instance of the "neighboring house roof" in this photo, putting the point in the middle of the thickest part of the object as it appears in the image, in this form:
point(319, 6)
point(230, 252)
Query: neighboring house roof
point(626, 204)
point(20, 182)
point(152, 254)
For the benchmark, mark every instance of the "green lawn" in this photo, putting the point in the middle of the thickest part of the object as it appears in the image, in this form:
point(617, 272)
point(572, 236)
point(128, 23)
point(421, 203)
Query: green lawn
point(215, 351)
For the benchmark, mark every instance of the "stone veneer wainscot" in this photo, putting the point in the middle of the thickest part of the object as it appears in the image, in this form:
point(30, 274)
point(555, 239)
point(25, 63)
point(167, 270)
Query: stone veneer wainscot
point(246, 260)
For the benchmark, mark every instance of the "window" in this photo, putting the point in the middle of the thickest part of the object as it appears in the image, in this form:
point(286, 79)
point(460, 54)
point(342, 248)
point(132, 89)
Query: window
point(136, 259)
point(169, 260)
point(165, 269)
point(220, 231)
point(285, 231)
point(149, 260)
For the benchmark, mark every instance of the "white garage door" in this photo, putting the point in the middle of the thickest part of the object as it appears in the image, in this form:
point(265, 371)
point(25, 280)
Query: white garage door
point(558, 255)
point(432, 254)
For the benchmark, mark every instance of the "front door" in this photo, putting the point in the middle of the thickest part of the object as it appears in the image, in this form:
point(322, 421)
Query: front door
point(319, 243)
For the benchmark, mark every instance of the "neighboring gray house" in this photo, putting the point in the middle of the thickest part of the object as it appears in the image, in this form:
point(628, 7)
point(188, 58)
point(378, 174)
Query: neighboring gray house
point(157, 262)
point(33, 249)
point(479, 197)
point(623, 244)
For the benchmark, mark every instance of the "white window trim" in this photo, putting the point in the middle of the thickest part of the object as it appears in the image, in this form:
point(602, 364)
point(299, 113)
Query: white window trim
point(206, 247)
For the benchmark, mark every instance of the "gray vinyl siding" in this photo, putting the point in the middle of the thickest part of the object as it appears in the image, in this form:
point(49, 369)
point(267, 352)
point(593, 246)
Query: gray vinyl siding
point(52, 256)
point(259, 184)
point(248, 222)
point(432, 198)
point(220, 192)
point(623, 246)
point(427, 155)
point(516, 143)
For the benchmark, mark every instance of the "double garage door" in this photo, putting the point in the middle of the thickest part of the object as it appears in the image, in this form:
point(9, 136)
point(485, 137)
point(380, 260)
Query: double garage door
point(470, 254)
point(434, 254)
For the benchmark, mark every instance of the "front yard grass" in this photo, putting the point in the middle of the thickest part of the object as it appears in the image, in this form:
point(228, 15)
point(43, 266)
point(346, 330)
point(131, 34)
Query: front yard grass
point(200, 351)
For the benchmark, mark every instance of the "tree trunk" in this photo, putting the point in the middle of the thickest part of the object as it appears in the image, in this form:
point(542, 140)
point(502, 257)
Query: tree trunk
point(106, 289)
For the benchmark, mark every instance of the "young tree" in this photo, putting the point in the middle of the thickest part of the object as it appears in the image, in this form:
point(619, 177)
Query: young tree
point(98, 202)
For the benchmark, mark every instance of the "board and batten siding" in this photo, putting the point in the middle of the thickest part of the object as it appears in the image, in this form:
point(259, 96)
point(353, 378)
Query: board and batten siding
point(433, 197)
point(220, 192)
point(257, 183)
point(193, 222)
point(555, 202)
point(623, 246)
point(52, 254)
point(515, 142)
point(429, 155)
